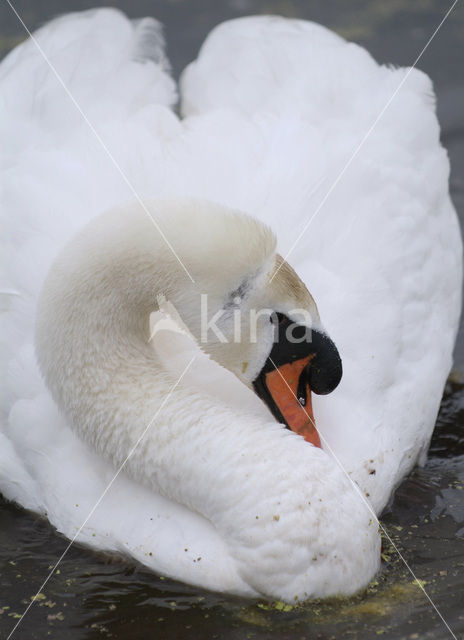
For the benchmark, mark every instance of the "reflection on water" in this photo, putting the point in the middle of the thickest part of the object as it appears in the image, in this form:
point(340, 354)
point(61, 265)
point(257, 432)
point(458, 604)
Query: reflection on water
point(94, 596)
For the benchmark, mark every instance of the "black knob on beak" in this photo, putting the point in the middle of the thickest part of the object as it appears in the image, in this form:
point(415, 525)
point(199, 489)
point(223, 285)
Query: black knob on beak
point(324, 371)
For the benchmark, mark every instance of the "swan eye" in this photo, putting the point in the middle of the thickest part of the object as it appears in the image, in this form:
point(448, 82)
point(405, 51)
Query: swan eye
point(236, 297)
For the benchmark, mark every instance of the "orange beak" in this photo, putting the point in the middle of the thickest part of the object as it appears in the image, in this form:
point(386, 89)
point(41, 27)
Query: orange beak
point(301, 361)
point(283, 385)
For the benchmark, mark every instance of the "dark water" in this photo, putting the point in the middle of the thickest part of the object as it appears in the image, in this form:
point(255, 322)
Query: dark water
point(94, 596)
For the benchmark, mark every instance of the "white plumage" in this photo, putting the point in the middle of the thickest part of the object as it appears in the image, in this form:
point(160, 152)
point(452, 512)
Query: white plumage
point(273, 110)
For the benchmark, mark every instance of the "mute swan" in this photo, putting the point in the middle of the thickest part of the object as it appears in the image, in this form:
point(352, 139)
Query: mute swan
point(218, 493)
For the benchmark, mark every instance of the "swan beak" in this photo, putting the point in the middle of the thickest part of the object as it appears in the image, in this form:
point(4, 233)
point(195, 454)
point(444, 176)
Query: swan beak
point(293, 370)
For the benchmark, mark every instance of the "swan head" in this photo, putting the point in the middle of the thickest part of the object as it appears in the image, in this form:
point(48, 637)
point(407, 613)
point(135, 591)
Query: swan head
point(250, 311)
point(244, 305)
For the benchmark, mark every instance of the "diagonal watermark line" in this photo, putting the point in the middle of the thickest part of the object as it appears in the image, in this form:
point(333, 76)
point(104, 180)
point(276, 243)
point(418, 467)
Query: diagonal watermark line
point(372, 512)
point(101, 497)
point(100, 140)
point(363, 140)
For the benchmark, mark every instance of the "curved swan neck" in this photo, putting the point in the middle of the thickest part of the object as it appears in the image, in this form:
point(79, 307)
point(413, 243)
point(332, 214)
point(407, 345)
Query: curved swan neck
point(93, 312)
point(92, 331)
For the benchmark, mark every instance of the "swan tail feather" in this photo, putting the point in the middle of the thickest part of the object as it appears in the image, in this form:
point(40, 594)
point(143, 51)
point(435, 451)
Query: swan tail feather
point(76, 57)
point(283, 66)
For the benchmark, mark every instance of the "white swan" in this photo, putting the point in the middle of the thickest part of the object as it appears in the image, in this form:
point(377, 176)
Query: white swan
point(217, 493)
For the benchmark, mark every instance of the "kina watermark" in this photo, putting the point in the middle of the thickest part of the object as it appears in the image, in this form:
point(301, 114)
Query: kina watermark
point(235, 322)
